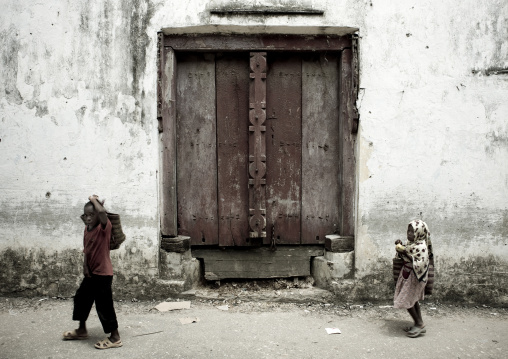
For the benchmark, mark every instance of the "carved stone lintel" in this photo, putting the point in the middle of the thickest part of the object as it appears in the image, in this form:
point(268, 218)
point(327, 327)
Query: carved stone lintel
point(267, 10)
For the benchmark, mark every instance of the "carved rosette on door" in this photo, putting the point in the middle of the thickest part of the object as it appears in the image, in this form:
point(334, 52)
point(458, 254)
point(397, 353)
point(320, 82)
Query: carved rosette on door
point(257, 145)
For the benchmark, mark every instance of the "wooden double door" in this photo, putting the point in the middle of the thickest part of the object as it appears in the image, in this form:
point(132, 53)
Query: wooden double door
point(258, 147)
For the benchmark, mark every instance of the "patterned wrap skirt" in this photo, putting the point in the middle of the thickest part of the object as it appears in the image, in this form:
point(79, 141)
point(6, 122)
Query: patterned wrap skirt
point(408, 291)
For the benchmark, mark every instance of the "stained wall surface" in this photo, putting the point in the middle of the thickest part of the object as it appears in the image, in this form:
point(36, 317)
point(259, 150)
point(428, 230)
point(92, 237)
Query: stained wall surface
point(78, 116)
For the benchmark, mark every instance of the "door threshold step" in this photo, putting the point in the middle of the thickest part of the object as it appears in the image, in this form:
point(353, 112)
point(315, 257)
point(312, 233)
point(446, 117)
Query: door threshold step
point(257, 263)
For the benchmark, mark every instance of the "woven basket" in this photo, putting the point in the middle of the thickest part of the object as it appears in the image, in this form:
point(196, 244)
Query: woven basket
point(430, 278)
point(398, 263)
point(117, 235)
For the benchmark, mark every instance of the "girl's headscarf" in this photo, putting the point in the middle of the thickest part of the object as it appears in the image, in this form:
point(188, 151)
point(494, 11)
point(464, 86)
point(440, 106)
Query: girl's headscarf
point(420, 249)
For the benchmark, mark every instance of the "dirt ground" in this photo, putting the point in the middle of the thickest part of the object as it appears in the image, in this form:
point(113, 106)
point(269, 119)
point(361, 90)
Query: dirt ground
point(252, 326)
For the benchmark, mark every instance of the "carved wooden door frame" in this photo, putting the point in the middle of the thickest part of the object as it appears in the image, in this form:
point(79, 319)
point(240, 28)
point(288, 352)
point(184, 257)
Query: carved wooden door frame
point(169, 45)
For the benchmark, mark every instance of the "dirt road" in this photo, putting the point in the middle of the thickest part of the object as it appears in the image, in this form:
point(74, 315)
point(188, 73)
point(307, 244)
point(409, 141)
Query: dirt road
point(32, 328)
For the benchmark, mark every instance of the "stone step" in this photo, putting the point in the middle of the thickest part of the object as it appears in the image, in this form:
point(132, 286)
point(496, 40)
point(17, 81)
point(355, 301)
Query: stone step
point(285, 261)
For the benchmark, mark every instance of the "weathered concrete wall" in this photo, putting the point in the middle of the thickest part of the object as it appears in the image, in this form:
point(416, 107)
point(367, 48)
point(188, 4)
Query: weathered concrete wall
point(434, 143)
point(78, 116)
point(77, 106)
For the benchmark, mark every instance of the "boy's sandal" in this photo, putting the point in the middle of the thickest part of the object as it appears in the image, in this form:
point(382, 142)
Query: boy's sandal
point(72, 335)
point(416, 332)
point(408, 329)
point(108, 344)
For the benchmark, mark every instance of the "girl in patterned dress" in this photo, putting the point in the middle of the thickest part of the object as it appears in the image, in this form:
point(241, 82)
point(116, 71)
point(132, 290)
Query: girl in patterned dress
point(410, 287)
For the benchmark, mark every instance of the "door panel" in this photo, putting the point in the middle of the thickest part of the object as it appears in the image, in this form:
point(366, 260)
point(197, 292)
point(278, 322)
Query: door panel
point(320, 147)
point(232, 82)
point(196, 148)
point(283, 147)
point(302, 143)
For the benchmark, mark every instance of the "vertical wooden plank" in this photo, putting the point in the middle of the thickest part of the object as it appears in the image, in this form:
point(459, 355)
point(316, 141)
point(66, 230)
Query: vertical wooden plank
point(232, 88)
point(167, 88)
point(196, 149)
point(257, 145)
point(320, 147)
point(283, 148)
point(348, 161)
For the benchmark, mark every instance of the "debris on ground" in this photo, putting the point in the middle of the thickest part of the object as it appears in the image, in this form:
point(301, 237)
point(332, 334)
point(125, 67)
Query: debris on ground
point(167, 306)
point(238, 285)
point(140, 335)
point(333, 330)
point(188, 320)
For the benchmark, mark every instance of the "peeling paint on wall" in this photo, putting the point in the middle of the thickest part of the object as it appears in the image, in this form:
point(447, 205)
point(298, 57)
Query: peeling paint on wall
point(38, 272)
point(9, 45)
point(366, 149)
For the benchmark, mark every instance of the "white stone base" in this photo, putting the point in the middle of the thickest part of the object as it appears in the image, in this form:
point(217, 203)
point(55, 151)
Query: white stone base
point(332, 267)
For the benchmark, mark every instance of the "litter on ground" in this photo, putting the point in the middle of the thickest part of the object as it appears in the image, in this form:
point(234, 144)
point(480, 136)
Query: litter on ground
point(166, 306)
point(333, 330)
point(188, 320)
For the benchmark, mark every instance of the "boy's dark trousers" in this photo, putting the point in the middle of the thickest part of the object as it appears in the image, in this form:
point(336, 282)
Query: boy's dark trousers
point(96, 288)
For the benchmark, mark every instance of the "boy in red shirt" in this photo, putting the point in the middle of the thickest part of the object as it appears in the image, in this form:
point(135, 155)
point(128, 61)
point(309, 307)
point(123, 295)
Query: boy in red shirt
point(98, 271)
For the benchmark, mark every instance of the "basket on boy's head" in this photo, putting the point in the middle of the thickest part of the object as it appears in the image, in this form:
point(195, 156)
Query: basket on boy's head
point(117, 235)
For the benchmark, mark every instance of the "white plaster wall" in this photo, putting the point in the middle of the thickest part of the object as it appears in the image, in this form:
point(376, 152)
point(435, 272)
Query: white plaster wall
point(434, 133)
point(78, 116)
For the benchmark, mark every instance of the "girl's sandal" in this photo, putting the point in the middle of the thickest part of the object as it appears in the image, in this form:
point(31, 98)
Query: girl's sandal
point(108, 344)
point(409, 328)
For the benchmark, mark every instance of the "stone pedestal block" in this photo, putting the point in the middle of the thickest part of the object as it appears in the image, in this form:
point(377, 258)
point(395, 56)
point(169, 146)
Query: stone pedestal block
point(332, 267)
point(179, 244)
point(176, 264)
point(339, 244)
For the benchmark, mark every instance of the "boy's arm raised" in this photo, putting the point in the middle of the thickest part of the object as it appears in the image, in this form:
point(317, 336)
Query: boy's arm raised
point(103, 217)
